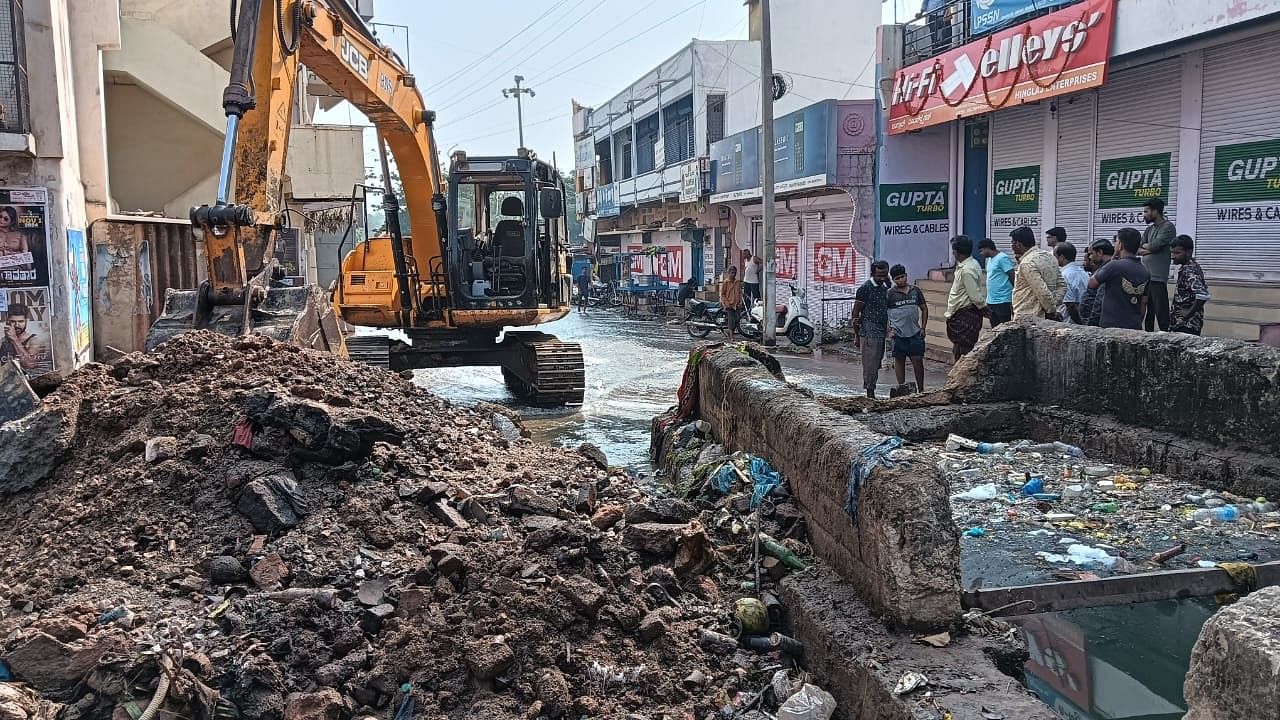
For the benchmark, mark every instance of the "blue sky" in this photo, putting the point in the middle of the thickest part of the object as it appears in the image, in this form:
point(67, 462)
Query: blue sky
point(587, 50)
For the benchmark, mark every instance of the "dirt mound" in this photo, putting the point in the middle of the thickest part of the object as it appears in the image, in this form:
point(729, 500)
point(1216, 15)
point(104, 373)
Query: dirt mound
point(303, 537)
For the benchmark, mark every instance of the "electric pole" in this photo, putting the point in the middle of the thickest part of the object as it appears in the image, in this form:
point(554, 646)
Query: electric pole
point(766, 146)
point(516, 92)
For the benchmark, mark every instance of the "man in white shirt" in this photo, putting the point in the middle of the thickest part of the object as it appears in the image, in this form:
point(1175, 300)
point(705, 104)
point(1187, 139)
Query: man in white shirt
point(751, 267)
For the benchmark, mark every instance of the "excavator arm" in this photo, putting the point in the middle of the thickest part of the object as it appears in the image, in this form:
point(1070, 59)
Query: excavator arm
point(272, 38)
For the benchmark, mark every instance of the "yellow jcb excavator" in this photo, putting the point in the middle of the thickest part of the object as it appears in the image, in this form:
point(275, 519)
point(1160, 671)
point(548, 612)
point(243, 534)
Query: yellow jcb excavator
point(452, 285)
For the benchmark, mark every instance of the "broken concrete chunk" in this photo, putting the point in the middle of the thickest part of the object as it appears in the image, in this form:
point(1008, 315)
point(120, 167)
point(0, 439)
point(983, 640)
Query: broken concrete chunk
point(450, 558)
point(652, 626)
point(161, 448)
point(17, 399)
point(523, 500)
point(652, 538)
point(607, 516)
point(660, 510)
point(487, 659)
point(51, 666)
point(584, 501)
point(64, 629)
point(553, 693)
point(273, 503)
point(325, 704)
point(445, 513)
point(372, 619)
point(585, 596)
point(594, 454)
point(270, 572)
point(372, 592)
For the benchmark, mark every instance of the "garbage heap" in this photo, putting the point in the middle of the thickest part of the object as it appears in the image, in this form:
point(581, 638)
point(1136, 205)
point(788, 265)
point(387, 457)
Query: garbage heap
point(1037, 512)
point(232, 527)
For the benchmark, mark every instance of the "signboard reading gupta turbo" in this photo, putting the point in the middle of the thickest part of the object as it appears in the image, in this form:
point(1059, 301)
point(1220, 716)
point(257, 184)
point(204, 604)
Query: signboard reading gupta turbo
point(1124, 184)
point(1246, 182)
point(1063, 52)
point(915, 213)
point(1015, 199)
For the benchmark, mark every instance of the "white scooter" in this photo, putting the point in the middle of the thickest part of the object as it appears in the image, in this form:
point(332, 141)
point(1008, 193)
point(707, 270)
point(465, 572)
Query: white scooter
point(792, 319)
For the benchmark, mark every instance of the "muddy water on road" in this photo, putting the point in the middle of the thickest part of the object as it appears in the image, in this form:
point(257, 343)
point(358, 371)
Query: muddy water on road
point(633, 370)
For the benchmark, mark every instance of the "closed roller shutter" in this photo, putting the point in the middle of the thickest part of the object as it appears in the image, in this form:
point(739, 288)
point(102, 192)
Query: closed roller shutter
point(1238, 228)
point(1138, 117)
point(790, 250)
point(1017, 140)
point(837, 237)
point(1075, 167)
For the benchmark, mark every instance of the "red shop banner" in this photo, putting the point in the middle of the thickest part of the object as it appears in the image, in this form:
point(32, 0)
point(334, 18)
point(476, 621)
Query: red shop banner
point(1059, 53)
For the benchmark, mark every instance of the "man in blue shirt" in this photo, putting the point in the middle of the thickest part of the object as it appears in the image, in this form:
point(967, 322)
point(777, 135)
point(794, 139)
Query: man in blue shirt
point(1077, 280)
point(1000, 271)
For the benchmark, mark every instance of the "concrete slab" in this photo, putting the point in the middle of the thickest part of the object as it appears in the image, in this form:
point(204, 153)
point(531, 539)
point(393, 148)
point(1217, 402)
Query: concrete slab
point(1234, 667)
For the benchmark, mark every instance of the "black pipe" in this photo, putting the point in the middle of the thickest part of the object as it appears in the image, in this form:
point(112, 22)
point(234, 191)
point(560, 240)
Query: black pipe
point(391, 206)
point(238, 98)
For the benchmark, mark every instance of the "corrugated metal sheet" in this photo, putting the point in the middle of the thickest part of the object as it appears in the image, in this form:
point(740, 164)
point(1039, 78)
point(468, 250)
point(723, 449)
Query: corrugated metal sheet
point(1017, 140)
point(1138, 112)
point(133, 262)
point(1075, 183)
point(1241, 105)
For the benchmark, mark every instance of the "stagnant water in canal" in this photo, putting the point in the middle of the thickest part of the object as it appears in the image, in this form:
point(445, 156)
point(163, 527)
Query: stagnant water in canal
point(1090, 664)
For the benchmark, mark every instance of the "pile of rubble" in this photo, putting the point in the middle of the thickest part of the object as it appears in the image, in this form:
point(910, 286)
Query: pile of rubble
point(1034, 512)
point(238, 528)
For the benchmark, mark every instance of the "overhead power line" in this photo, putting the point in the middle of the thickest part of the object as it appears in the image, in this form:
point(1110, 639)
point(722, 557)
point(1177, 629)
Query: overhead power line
point(455, 76)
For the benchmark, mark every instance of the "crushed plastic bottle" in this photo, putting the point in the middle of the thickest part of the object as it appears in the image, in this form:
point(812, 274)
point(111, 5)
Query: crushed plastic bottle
point(985, 448)
point(1033, 486)
point(979, 494)
point(1210, 516)
point(1106, 507)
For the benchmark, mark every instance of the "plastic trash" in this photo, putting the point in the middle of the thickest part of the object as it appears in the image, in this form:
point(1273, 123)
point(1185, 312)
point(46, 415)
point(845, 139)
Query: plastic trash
point(775, 549)
point(958, 442)
point(810, 703)
point(1033, 486)
point(5, 674)
point(765, 480)
point(1060, 448)
point(1106, 507)
point(1098, 471)
point(1209, 516)
point(975, 532)
point(991, 448)
point(979, 494)
point(1088, 556)
point(1072, 491)
point(1046, 497)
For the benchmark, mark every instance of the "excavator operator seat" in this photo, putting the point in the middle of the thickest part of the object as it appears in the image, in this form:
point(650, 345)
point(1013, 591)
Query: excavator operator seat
point(508, 236)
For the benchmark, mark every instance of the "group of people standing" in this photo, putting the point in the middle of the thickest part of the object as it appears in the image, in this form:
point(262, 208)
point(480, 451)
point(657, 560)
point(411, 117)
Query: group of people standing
point(1119, 283)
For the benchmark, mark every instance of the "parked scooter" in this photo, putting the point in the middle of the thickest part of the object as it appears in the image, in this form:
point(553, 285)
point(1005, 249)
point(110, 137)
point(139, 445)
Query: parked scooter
point(792, 318)
point(702, 317)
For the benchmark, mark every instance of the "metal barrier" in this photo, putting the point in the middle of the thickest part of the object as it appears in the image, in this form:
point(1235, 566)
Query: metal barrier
point(833, 313)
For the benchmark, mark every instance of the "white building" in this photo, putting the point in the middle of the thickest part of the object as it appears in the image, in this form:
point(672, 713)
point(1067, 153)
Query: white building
point(1112, 102)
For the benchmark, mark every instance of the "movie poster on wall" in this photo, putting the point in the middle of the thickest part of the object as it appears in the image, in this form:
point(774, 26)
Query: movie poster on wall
point(24, 313)
point(24, 240)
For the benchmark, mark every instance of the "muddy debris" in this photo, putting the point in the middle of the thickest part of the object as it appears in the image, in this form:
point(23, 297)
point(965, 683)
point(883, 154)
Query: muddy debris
point(241, 528)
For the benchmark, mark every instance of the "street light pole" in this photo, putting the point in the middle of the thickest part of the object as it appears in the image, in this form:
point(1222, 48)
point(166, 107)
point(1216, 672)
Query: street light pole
point(516, 92)
point(767, 195)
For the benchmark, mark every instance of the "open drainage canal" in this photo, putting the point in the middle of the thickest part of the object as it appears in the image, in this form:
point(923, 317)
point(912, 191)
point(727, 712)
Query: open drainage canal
point(1125, 661)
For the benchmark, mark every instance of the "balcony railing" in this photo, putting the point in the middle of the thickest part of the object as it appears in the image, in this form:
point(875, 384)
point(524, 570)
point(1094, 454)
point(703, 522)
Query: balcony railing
point(948, 24)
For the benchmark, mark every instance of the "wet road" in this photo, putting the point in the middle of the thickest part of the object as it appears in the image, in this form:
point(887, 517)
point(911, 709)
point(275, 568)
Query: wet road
point(633, 370)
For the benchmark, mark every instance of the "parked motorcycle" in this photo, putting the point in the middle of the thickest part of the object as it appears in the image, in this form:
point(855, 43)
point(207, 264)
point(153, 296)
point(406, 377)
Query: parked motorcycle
point(702, 317)
point(792, 318)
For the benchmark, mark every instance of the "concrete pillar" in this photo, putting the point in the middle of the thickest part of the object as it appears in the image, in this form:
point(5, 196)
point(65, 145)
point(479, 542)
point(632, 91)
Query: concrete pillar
point(95, 26)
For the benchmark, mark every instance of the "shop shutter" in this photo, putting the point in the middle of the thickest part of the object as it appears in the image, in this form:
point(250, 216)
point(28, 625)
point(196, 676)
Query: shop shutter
point(1138, 112)
point(1240, 240)
point(1017, 140)
point(835, 233)
point(1075, 168)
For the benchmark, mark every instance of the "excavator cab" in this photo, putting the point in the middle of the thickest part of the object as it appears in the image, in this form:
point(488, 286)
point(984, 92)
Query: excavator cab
point(507, 234)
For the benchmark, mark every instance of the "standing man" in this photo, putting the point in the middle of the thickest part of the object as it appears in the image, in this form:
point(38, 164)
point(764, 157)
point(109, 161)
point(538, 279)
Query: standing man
point(583, 281)
point(731, 299)
point(751, 266)
point(1191, 292)
point(1053, 236)
point(908, 318)
point(1000, 272)
point(1100, 253)
point(1124, 284)
point(1076, 279)
point(966, 300)
point(870, 323)
point(1039, 287)
point(1156, 240)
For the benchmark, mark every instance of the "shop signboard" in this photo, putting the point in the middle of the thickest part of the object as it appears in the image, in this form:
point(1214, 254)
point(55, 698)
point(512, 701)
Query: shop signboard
point(1247, 173)
point(1128, 182)
point(1063, 52)
point(1124, 184)
point(648, 260)
point(988, 15)
point(1015, 197)
point(835, 263)
point(24, 280)
point(915, 213)
point(787, 257)
point(607, 201)
point(804, 155)
point(690, 182)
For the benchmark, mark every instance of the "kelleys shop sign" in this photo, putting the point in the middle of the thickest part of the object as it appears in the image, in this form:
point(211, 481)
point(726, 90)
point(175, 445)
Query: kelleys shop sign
point(1059, 53)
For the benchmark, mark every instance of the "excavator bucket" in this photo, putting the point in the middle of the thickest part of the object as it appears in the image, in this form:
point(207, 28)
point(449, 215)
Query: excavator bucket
point(300, 316)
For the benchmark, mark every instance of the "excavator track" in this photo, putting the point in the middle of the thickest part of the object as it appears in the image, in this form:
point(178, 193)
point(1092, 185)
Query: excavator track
point(555, 371)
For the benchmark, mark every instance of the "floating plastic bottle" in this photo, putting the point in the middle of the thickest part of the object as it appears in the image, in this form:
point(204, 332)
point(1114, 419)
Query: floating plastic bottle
point(1209, 516)
point(985, 448)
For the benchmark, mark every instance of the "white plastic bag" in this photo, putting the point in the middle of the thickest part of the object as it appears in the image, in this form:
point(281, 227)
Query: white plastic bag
point(810, 703)
point(979, 494)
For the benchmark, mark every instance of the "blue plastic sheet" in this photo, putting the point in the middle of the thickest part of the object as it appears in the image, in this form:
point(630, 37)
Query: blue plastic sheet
point(724, 478)
point(865, 463)
point(765, 479)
